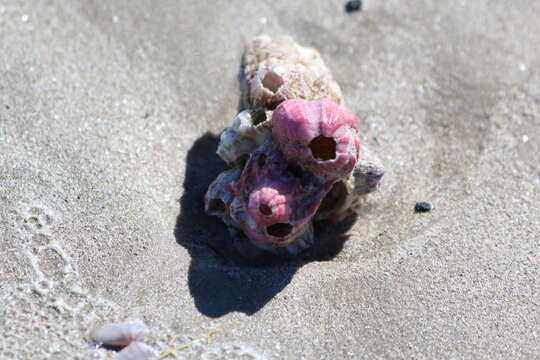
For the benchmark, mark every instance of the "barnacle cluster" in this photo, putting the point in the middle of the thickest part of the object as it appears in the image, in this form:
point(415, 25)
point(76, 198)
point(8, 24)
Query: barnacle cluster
point(294, 151)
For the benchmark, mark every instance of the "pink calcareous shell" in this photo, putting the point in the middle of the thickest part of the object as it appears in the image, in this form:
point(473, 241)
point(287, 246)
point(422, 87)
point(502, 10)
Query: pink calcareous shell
point(303, 162)
point(321, 135)
point(278, 199)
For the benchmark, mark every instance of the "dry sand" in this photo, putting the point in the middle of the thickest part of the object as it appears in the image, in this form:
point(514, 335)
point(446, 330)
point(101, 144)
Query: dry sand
point(108, 117)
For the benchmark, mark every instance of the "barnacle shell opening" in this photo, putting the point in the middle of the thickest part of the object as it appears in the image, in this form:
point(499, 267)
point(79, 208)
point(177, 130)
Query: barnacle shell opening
point(294, 151)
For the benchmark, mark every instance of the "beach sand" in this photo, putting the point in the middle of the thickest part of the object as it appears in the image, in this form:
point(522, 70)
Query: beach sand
point(109, 117)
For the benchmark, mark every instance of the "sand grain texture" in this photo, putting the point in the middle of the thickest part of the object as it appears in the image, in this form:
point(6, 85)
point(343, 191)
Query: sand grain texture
point(109, 113)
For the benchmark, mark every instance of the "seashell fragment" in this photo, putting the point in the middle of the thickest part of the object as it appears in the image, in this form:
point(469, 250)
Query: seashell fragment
point(277, 69)
point(118, 335)
point(367, 173)
point(243, 136)
point(136, 351)
point(344, 196)
point(294, 149)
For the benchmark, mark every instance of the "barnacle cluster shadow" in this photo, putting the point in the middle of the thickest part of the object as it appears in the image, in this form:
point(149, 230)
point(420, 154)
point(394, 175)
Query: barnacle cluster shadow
point(220, 280)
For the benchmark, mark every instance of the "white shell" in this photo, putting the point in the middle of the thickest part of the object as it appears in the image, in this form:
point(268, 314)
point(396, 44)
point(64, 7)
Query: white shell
point(242, 137)
point(277, 69)
point(117, 335)
point(136, 351)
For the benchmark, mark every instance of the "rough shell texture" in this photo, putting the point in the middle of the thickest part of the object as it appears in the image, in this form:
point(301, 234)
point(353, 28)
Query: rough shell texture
point(277, 69)
point(243, 136)
point(345, 196)
point(320, 135)
point(367, 173)
point(277, 199)
point(295, 152)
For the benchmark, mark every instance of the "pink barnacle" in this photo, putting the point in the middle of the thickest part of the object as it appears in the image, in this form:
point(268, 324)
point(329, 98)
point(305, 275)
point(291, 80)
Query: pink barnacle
point(319, 134)
point(268, 206)
point(278, 204)
point(304, 164)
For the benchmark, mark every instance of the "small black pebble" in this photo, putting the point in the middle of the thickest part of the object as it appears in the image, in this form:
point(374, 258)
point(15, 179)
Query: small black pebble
point(353, 5)
point(423, 207)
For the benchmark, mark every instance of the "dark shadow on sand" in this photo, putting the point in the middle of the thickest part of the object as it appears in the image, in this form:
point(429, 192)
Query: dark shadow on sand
point(219, 279)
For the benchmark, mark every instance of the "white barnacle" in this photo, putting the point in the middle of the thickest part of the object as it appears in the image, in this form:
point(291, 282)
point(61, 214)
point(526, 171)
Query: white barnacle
point(278, 69)
point(242, 137)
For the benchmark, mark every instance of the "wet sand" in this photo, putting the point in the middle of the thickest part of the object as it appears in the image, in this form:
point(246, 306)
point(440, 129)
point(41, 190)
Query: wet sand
point(109, 113)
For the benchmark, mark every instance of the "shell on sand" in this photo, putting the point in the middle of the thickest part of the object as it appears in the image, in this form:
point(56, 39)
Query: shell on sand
point(364, 179)
point(294, 151)
point(136, 351)
point(243, 136)
point(118, 335)
point(278, 68)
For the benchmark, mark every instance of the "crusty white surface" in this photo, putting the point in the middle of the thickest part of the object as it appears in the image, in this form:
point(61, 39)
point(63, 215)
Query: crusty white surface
point(241, 138)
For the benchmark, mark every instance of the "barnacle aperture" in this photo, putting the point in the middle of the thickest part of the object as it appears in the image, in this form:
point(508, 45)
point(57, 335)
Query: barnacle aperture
point(294, 151)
